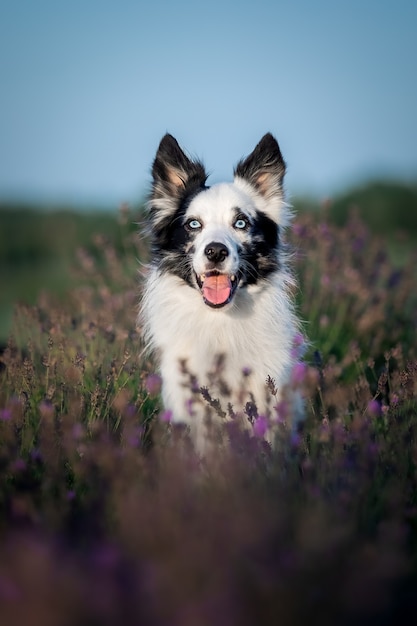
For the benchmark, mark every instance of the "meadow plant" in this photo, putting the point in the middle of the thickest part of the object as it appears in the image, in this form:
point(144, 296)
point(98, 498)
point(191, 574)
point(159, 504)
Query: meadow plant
point(108, 516)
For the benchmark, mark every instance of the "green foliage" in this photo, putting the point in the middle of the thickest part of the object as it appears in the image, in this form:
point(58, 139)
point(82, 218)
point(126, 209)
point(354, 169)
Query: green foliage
point(30, 236)
point(349, 288)
point(385, 207)
point(388, 208)
point(37, 248)
point(108, 516)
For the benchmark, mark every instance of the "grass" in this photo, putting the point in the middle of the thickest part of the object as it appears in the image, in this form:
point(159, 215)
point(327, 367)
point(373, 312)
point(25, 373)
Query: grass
point(38, 247)
point(103, 522)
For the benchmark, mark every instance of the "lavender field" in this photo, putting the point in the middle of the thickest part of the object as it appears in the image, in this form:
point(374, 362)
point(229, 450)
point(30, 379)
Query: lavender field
point(102, 521)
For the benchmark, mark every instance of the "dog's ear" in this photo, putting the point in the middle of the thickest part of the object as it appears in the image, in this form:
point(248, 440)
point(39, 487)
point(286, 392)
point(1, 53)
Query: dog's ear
point(174, 174)
point(264, 168)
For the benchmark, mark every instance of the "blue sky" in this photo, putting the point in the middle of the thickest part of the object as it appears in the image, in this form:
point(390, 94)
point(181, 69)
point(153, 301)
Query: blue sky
point(88, 88)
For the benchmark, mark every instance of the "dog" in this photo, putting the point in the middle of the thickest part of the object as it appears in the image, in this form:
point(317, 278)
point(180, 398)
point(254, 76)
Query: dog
point(217, 304)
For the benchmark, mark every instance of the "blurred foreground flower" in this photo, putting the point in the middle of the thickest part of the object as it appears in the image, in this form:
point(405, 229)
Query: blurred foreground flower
point(153, 384)
point(166, 416)
point(260, 426)
point(298, 374)
point(5, 414)
point(374, 408)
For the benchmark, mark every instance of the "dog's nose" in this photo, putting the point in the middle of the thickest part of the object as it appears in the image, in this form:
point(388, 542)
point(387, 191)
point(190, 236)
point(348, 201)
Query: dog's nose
point(216, 252)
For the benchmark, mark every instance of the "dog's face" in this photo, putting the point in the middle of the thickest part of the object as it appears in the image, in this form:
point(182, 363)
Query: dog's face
point(223, 238)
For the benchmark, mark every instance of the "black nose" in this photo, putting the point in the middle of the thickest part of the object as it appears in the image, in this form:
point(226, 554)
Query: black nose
point(216, 252)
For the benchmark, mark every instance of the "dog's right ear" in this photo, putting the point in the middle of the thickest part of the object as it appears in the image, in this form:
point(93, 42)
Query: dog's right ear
point(264, 168)
point(174, 174)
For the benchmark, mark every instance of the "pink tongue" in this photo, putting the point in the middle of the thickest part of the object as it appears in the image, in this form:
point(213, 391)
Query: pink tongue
point(216, 289)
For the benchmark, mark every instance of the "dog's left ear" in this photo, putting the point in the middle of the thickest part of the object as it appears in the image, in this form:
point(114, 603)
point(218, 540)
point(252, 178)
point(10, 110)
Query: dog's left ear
point(264, 169)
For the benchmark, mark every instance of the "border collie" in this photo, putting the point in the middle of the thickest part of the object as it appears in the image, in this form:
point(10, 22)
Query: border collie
point(217, 305)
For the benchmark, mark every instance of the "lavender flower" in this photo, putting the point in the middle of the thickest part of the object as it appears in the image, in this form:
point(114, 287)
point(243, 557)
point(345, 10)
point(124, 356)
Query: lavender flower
point(374, 408)
point(5, 415)
point(260, 426)
point(298, 374)
point(153, 384)
point(166, 416)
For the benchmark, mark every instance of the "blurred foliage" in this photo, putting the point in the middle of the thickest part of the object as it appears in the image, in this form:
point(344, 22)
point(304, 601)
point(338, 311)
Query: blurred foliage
point(38, 247)
point(32, 236)
point(107, 516)
point(386, 207)
point(350, 289)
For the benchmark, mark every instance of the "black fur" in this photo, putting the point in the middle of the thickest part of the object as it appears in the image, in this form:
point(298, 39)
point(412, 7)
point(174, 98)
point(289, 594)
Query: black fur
point(179, 178)
point(171, 162)
point(261, 253)
point(266, 159)
point(169, 243)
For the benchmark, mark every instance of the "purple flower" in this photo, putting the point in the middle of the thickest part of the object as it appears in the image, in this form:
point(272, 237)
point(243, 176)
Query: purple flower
point(46, 409)
point(166, 416)
point(394, 279)
point(153, 384)
point(298, 373)
point(324, 230)
point(135, 437)
point(374, 408)
point(295, 439)
point(298, 340)
point(36, 454)
point(358, 244)
point(298, 347)
point(299, 230)
point(19, 465)
point(78, 431)
point(130, 410)
point(395, 399)
point(189, 406)
point(260, 426)
point(5, 414)
point(282, 410)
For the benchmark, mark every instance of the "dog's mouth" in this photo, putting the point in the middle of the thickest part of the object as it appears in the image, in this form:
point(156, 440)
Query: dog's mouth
point(217, 289)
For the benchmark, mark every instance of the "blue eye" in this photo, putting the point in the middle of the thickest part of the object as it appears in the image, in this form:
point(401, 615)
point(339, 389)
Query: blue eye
point(240, 223)
point(194, 224)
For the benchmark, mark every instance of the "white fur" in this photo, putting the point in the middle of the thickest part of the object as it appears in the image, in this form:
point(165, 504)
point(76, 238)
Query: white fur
point(255, 330)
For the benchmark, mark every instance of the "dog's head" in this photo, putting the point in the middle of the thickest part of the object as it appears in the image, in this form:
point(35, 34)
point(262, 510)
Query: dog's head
point(222, 238)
